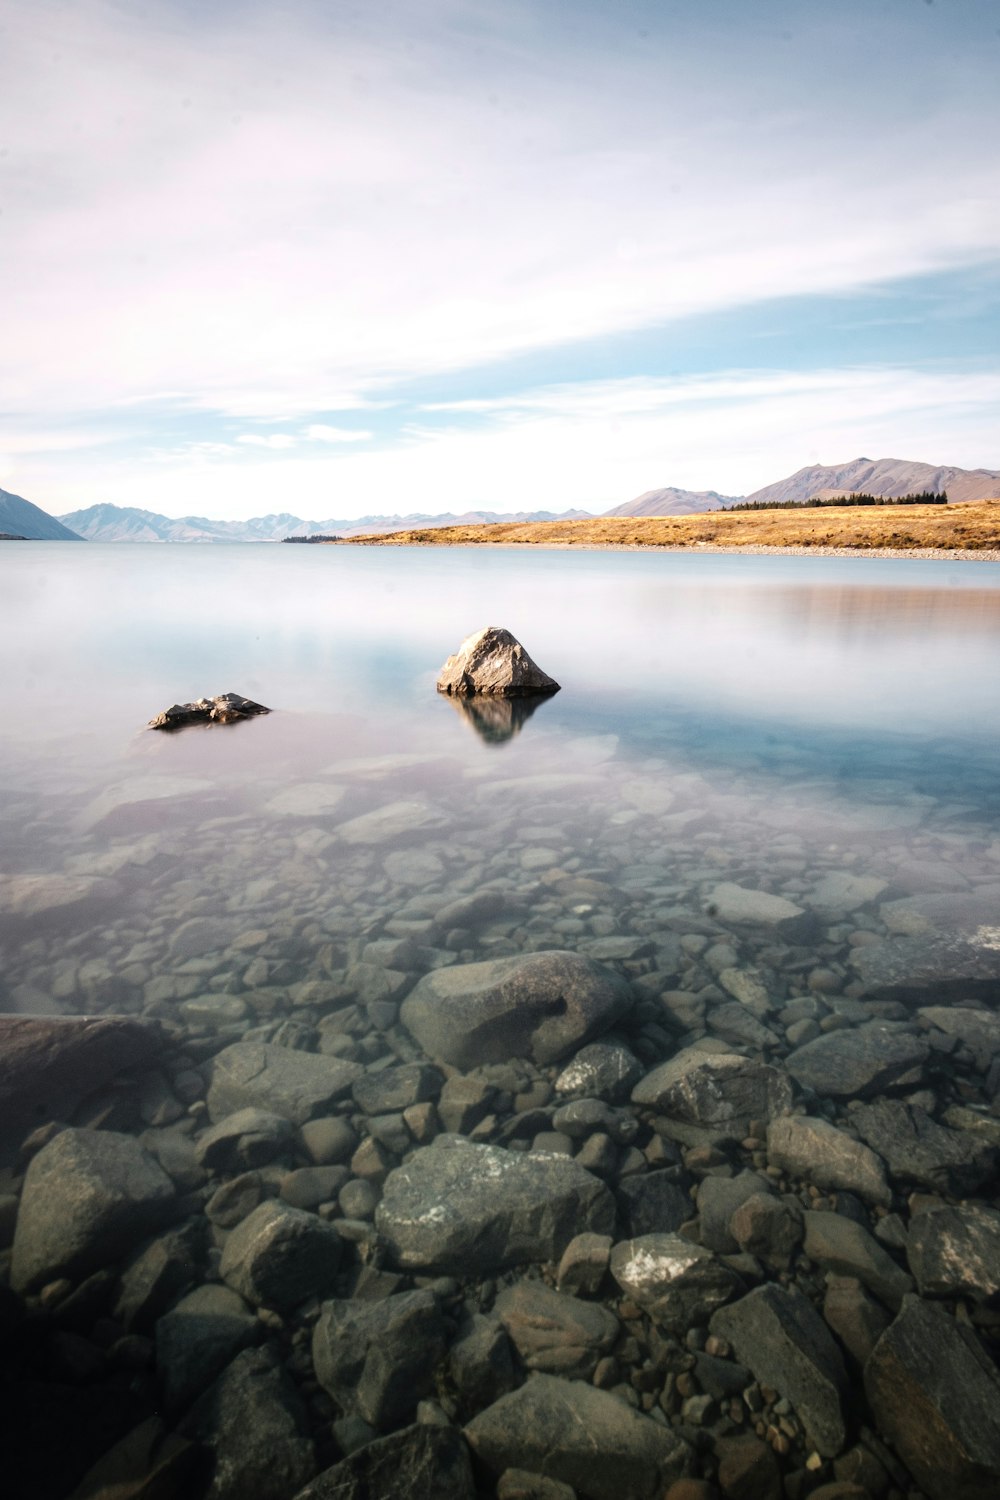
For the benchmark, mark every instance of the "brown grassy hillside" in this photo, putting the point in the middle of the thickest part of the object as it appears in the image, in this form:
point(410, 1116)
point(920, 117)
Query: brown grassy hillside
point(974, 525)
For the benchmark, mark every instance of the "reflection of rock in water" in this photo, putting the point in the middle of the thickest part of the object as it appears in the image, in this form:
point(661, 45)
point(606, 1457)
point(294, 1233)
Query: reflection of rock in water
point(496, 720)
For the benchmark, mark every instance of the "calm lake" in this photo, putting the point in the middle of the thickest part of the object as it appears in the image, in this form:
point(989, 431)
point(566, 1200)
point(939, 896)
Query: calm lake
point(763, 720)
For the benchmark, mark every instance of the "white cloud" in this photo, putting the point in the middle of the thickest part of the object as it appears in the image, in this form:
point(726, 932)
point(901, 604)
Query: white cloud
point(592, 446)
point(278, 213)
point(319, 432)
point(267, 440)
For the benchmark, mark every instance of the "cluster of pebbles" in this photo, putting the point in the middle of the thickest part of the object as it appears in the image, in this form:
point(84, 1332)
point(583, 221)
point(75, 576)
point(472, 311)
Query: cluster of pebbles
point(525, 1138)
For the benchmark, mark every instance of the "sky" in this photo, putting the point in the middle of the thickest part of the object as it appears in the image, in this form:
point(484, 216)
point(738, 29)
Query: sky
point(441, 255)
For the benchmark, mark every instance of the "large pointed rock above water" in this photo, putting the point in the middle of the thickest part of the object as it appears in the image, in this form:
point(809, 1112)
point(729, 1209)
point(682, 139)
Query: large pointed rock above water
point(492, 662)
point(537, 1005)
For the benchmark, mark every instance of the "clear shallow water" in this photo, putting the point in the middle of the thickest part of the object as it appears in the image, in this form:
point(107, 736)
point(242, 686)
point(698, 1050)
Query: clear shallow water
point(757, 719)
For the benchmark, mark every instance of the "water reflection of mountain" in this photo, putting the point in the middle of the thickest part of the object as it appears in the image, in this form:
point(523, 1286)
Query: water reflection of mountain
point(496, 720)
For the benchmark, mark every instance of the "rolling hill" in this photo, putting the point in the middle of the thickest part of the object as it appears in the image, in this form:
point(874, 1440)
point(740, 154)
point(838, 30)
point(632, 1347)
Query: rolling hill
point(881, 476)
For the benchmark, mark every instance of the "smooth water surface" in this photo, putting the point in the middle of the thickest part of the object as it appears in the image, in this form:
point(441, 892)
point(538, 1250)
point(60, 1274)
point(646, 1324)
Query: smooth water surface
point(764, 720)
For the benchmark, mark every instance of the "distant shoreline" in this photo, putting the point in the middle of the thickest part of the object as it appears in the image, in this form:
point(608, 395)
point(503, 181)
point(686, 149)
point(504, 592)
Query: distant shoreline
point(947, 532)
point(943, 554)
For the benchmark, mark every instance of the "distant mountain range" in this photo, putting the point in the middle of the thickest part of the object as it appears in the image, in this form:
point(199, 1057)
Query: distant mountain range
point(20, 519)
point(674, 502)
point(117, 523)
point(891, 477)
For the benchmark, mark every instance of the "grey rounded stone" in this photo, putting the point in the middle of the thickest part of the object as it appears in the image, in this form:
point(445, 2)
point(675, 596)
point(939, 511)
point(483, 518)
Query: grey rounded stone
point(198, 1337)
point(537, 1005)
point(358, 1199)
point(296, 1085)
point(601, 1070)
point(955, 1252)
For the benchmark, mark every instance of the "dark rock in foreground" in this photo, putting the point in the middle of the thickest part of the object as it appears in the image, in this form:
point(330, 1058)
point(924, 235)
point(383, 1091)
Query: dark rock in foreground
point(198, 1337)
point(227, 708)
point(378, 1359)
point(279, 1255)
point(416, 1463)
point(254, 1424)
point(935, 1394)
point(48, 1064)
point(491, 661)
point(149, 1462)
point(88, 1197)
point(781, 1337)
point(583, 1437)
point(468, 1209)
point(537, 1005)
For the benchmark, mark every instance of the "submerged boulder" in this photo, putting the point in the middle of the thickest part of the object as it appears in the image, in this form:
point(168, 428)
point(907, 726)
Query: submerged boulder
point(583, 1437)
point(88, 1197)
point(935, 1394)
point(779, 1335)
point(537, 1005)
point(227, 708)
point(722, 1091)
point(464, 1209)
point(492, 662)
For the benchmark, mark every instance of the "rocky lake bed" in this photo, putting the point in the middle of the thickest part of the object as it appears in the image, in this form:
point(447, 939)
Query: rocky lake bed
point(420, 1096)
point(526, 1135)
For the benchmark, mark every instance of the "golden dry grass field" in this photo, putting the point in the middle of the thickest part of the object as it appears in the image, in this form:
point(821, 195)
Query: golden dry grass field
point(970, 526)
